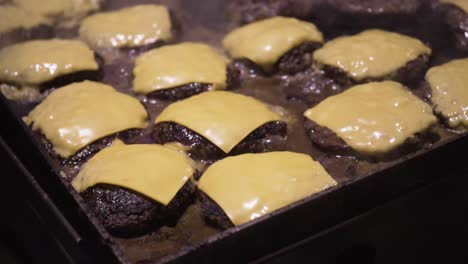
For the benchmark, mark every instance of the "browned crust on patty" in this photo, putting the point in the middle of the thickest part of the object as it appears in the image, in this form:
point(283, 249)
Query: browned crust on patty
point(327, 140)
point(310, 87)
point(126, 213)
point(410, 74)
point(259, 140)
point(293, 61)
point(63, 80)
point(19, 35)
point(83, 155)
point(212, 213)
point(179, 92)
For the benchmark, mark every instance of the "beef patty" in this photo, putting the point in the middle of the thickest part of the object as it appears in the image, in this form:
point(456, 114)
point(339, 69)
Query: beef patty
point(126, 213)
point(269, 137)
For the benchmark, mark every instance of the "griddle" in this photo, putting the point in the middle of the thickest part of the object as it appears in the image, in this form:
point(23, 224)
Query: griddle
point(83, 239)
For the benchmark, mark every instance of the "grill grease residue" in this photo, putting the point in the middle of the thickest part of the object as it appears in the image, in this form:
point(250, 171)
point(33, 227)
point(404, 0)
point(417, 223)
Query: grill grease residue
point(206, 22)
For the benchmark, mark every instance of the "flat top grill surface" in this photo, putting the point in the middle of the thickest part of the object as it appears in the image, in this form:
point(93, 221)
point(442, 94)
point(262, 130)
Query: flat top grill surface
point(206, 21)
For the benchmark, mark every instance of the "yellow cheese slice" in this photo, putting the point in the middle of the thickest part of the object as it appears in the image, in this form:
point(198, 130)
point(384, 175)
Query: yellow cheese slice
point(27, 14)
point(449, 86)
point(251, 185)
point(64, 8)
point(152, 170)
point(462, 4)
point(129, 27)
point(374, 118)
point(371, 53)
point(176, 65)
point(78, 114)
point(264, 42)
point(14, 18)
point(224, 118)
point(38, 61)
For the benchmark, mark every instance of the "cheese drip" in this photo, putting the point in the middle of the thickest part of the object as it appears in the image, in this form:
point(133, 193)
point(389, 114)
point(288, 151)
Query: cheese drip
point(251, 185)
point(371, 53)
point(449, 87)
point(38, 61)
point(462, 4)
point(14, 18)
point(78, 114)
point(224, 118)
point(264, 42)
point(176, 65)
point(152, 170)
point(129, 27)
point(374, 118)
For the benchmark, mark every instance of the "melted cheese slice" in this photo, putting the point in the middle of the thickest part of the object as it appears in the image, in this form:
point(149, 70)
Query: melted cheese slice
point(251, 185)
point(371, 53)
point(176, 65)
point(449, 86)
point(31, 13)
point(64, 8)
point(374, 118)
point(224, 118)
point(38, 61)
point(152, 170)
point(14, 18)
point(264, 42)
point(129, 27)
point(462, 4)
point(78, 114)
